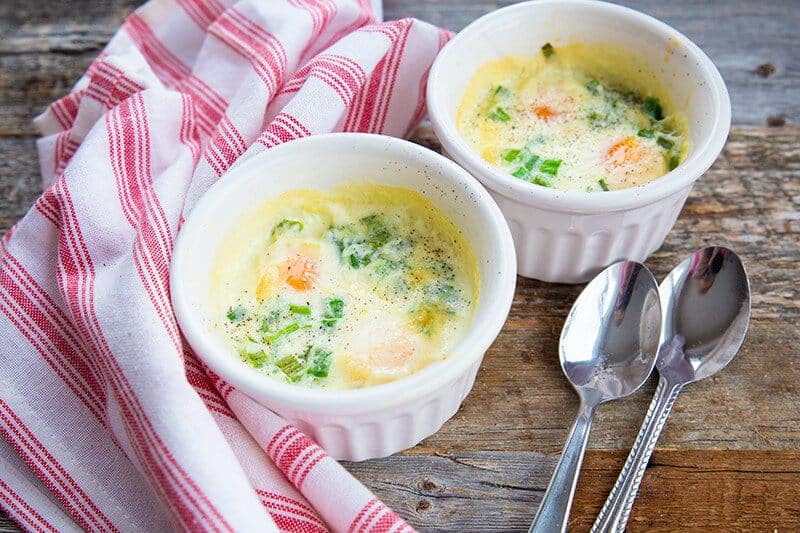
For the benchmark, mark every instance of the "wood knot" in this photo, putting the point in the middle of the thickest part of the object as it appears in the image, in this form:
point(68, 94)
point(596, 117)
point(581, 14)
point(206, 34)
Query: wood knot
point(423, 505)
point(428, 485)
point(765, 70)
point(776, 121)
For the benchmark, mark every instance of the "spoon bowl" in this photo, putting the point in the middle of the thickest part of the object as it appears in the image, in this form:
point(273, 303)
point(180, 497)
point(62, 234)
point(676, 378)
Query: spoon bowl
point(608, 348)
point(610, 338)
point(706, 309)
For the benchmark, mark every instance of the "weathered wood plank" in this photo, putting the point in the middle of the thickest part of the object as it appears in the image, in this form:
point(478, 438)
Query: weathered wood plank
point(28, 13)
point(500, 491)
point(30, 82)
point(20, 183)
point(44, 49)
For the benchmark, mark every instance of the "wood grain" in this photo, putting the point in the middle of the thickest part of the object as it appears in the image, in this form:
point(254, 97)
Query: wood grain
point(728, 458)
point(500, 491)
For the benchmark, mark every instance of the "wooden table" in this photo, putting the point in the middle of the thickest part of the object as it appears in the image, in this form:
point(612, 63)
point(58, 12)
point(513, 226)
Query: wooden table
point(728, 458)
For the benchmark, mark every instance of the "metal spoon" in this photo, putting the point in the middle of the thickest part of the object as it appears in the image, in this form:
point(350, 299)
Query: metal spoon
point(608, 348)
point(706, 307)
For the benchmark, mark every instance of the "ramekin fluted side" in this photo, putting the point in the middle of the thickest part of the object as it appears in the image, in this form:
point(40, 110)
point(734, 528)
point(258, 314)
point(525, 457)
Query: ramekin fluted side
point(564, 247)
point(356, 437)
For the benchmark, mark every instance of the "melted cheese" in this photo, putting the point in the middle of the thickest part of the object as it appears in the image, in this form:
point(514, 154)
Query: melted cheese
point(584, 109)
point(373, 280)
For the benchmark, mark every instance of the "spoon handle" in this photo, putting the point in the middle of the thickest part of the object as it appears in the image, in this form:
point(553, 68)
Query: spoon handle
point(617, 509)
point(553, 512)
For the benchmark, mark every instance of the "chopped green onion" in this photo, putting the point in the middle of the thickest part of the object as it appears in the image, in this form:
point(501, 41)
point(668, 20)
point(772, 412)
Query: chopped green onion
point(593, 87)
point(354, 261)
point(291, 366)
point(236, 314)
point(539, 180)
point(320, 362)
point(510, 155)
point(652, 107)
point(547, 50)
point(501, 91)
point(674, 161)
point(333, 312)
point(300, 309)
point(522, 173)
point(285, 225)
point(336, 307)
point(648, 134)
point(257, 359)
point(665, 143)
point(550, 166)
point(530, 163)
point(498, 113)
point(603, 184)
point(291, 328)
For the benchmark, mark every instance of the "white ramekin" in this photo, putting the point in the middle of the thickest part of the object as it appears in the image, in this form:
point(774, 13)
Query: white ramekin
point(569, 236)
point(374, 421)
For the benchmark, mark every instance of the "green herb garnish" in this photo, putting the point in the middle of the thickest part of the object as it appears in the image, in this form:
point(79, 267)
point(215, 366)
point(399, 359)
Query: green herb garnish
point(674, 161)
point(665, 143)
point(593, 87)
point(360, 243)
point(376, 232)
point(539, 180)
point(550, 166)
point(501, 91)
point(530, 163)
point(320, 362)
point(257, 359)
point(292, 366)
point(236, 314)
point(652, 107)
point(498, 113)
point(286, 225)
point(547, 50)
point(291, 328)
point(334, 310)
point(522, 173)
point(648, 134)
point(510, 155)
point(336, 307)
point(603, 184)
point(300, 309)
point(356, 262)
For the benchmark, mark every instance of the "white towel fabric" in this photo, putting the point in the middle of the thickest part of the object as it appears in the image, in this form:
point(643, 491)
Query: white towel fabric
point(110, 422)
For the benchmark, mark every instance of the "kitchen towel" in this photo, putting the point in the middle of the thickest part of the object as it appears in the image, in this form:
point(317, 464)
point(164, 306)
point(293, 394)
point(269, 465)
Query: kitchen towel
point(110, 423)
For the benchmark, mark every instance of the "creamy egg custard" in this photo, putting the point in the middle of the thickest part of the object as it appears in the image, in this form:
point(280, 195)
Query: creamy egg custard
point(346, 288)
point(576, 118)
